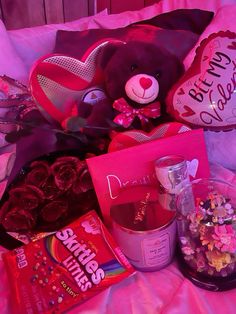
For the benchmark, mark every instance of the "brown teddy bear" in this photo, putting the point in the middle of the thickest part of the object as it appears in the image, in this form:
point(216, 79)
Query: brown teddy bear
point(137, 77)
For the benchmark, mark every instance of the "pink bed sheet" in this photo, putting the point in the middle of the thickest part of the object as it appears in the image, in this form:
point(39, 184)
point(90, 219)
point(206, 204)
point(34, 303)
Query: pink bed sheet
point(161, 292)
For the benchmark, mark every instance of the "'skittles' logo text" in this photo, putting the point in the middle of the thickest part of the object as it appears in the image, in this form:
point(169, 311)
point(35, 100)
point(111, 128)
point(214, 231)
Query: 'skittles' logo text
point(81, 263)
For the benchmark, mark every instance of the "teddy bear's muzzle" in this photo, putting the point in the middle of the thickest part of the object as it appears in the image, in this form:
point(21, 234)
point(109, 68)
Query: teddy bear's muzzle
point(142, 88)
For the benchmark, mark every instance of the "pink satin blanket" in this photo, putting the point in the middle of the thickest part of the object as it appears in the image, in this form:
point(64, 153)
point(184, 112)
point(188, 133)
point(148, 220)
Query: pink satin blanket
point(163, 292)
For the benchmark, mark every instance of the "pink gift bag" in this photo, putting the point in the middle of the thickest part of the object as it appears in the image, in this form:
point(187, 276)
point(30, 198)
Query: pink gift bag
point(135, 165)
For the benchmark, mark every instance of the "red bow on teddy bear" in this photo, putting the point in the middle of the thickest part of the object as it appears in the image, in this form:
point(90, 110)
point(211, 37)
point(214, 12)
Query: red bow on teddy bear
point(128, 113)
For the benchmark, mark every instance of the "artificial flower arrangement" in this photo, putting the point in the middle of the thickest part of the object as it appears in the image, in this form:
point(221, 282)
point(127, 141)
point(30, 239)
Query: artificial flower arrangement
point(208, 237)
point(61, 183)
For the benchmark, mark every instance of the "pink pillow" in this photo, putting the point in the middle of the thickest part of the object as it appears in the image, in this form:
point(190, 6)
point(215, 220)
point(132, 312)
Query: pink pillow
point(209, 5)
point(32, 43)
point(125, 18)
point(10, 63)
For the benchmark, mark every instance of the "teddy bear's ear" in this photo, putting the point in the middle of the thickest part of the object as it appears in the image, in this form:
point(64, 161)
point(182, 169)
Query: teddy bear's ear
point(107, 52)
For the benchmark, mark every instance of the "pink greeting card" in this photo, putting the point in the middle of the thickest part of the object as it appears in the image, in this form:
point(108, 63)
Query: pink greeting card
point(135, 165)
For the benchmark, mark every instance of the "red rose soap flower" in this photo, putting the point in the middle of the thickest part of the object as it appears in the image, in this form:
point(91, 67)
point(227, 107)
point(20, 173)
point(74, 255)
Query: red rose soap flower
point(49, 194)
point(39, 173)
point(65, 171)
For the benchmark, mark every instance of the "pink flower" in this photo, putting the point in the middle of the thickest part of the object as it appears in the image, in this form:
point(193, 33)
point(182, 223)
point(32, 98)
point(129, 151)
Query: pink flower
point(200, 261)
point(183, 240)
point(225, 238)
point(187, 250)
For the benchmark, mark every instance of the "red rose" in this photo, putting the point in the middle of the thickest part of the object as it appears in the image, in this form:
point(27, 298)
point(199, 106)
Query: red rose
point(64, 170)
point(17, 219)
point(27, 197)
point(38, 174)
point(49, 196)
point(54, 210)
point(83, 182)
point(50, 189)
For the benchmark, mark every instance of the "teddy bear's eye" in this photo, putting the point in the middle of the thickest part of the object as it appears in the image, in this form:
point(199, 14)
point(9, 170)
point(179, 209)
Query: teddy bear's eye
point(133, 67)
point(158, 75)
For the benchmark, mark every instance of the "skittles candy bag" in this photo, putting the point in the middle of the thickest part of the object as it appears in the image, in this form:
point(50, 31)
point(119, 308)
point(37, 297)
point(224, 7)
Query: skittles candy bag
point(66, 268)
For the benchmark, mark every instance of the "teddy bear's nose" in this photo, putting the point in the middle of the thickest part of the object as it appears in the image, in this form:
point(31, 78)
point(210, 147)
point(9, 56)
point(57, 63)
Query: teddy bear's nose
point(145, 82)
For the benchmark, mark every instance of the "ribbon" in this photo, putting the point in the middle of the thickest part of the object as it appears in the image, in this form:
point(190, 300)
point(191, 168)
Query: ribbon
point(128, 113)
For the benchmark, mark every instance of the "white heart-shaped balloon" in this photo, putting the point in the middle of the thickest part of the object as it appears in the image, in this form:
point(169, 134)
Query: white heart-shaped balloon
point(206, 94)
